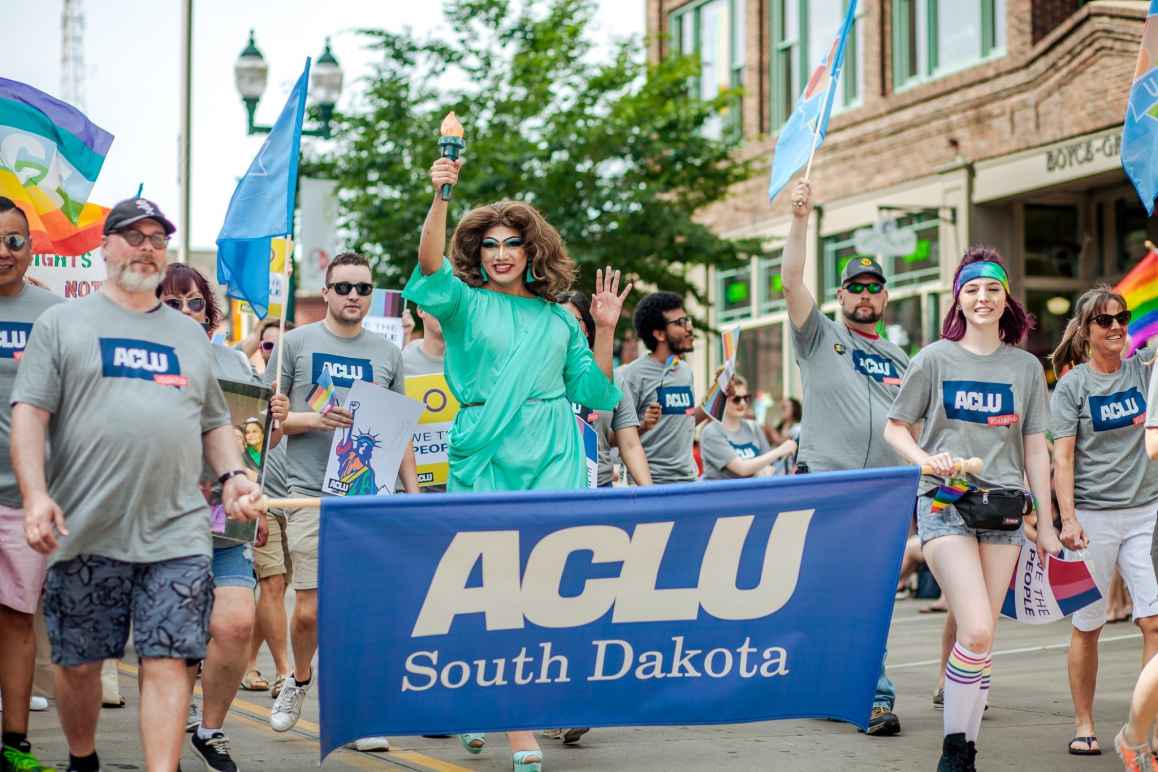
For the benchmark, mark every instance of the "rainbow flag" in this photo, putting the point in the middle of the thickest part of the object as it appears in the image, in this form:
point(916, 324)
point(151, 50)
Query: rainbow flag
point(50, 156)
point(323, 394)
point(948, 493)
point(1140, 289)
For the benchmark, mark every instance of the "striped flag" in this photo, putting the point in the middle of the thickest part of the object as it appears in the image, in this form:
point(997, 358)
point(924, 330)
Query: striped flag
point(323, 394)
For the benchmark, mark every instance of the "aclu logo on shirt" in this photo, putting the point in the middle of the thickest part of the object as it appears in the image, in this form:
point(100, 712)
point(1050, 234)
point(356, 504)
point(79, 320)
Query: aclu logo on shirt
point(881, 369)
point(14, 339)
point(745, 450)
point(343, 370)
point(676, 400)
point(980, 402)
point(1116, 411)
point(141, 359)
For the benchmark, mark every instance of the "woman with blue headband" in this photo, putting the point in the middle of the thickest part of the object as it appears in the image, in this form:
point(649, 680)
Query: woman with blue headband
point(977, 394)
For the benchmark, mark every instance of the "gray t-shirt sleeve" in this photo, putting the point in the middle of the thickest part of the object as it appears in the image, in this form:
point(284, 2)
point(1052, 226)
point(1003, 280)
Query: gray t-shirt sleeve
point(912, 402)
point(1152, 399)
point(1064, 407)
point(1037, 406)
point(397, 376)
point(39, 378)
point(807, 338)
point(624, 415)
point(715, 449)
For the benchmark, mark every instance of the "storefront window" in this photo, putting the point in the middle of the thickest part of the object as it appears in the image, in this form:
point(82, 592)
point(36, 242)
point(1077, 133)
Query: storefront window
point(771, 286)
point(714, 29)
point(735, 301)
point(1133, 225)
point(923, 263)
point(1050, 324)
point(760, 359)
point(902, 324)
point(1052, 241)
point(835, 251)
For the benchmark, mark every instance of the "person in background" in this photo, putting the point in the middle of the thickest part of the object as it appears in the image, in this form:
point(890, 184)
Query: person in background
point(261, 340)
point(735, 447)
point(426, 356)
point(787, 428)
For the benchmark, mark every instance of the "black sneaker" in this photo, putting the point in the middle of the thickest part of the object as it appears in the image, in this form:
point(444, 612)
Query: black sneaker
point(972, 755)
point(955, 754)
point(883, 722)
point(939, 699)
point(214, 752)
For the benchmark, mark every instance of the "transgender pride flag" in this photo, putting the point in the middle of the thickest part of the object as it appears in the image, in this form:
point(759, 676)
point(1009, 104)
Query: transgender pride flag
point(1140, 134)
point(1038, 595)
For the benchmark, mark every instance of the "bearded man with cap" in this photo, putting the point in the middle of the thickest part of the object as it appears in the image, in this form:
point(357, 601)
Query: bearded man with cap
point(122, 388)
point(850, 375)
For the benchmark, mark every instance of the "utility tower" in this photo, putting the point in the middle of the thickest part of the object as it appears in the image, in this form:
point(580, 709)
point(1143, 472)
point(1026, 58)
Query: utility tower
point(72, 53)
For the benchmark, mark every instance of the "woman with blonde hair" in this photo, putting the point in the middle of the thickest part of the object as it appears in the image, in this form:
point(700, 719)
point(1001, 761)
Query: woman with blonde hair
point(515, 358)
point(1107, 488)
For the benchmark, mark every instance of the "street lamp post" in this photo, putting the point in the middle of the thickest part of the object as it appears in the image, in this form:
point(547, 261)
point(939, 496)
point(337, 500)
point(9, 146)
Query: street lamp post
point(251, 74)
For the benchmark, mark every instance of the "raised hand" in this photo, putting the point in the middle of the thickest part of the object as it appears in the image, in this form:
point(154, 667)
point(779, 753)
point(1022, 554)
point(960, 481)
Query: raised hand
point(802, 199)
point(607, 301)
point(444, 172)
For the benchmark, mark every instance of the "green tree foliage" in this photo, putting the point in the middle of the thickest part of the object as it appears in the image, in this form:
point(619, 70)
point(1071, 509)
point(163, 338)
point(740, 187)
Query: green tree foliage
point(610, 148)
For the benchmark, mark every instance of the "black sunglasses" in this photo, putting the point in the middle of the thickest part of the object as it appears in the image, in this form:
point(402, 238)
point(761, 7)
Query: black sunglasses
point(874, 288)
point(343, 288)
point(14, 241)
point(196, 305)
point(1106, 321)
point(740, 399)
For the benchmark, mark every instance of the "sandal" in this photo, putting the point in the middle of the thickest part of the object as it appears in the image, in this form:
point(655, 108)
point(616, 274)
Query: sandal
point(528, 761)
point(1089, 750)
point(253, 681)
point(473, 742)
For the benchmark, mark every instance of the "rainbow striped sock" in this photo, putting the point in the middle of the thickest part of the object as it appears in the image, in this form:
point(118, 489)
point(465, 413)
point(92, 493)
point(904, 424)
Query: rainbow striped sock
point(948, 493)
point(964, 673)
point(982, 700)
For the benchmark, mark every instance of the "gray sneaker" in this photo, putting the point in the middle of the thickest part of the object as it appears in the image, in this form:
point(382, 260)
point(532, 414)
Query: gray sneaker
point(287, 709)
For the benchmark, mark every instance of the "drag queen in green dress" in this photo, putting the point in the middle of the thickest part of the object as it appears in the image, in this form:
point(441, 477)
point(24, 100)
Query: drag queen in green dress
point(515, 359)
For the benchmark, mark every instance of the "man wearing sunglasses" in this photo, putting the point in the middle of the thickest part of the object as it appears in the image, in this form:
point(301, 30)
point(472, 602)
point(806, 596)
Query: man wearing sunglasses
point(850, 376)
point(340, 346)
point(22, 568)
point(122, 388)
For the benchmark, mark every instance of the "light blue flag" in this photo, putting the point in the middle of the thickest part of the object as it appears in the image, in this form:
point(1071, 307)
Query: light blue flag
point(262, 207)
point(809, 121)
point(1140, 134)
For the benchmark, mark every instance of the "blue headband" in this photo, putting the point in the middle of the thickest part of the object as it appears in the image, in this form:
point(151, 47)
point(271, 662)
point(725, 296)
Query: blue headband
point(981, 270)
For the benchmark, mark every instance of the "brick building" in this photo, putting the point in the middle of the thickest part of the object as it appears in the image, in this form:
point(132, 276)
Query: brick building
point(956, 122)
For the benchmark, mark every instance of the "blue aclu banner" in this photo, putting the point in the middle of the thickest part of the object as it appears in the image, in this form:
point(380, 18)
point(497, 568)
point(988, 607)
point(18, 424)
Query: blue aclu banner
point(703, 603)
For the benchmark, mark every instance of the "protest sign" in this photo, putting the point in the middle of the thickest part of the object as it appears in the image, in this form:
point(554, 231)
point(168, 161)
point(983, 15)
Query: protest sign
point(590, 439)
point(432, 436)
point(364, 458)
point(385, 317)
point(245, 401)
point(681, 604)
point(69, 277)
point(1038, 594)
point(318, 232)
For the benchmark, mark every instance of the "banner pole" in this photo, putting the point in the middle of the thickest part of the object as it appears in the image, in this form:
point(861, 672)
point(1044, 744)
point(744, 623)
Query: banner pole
point(285, 272)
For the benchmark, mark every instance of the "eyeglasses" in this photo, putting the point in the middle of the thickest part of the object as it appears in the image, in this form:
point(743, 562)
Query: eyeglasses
point(343, 288)
point(874, 288)
point(1106, 321)
point(14, 241)
point(135, 238)
point(511, 242)
point(741, 399)
point(683, 321)
point(196, 305)
point(267, 345)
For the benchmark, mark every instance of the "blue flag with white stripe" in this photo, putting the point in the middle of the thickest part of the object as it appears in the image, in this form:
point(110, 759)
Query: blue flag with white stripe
point(1140, 134)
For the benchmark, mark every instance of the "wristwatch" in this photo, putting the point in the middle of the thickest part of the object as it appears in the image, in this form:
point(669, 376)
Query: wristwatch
point(225, 477)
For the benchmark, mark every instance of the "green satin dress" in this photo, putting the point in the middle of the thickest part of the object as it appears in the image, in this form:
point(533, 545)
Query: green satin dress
point(515, 364)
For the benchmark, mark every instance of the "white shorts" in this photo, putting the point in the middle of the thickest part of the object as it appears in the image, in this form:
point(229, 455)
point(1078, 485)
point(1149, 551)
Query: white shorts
point(1119, 537)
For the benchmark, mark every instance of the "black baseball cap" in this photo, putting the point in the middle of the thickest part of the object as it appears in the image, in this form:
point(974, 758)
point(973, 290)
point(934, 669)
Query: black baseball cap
point(133, 210)
point(862, 265)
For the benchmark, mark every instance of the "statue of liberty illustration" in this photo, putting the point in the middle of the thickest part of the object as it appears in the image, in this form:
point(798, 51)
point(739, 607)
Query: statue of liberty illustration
point(354, 454)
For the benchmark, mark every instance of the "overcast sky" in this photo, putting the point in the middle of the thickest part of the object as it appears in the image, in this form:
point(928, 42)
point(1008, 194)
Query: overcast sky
point(132, 52)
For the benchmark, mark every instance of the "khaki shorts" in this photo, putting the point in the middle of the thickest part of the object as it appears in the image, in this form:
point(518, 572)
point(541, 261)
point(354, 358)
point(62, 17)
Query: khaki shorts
point(274, 558)
point(302, 529)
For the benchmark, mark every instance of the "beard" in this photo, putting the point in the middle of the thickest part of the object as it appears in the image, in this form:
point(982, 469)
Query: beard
point(863, 315)
point(133, 281)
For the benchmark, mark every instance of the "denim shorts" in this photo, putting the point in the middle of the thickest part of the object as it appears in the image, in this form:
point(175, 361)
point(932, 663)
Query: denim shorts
point(948, 522)
point(90, 602)
point(233, 566)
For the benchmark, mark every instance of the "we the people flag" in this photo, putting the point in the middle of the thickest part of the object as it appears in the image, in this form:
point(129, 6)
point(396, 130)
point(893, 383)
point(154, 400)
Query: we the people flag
point(50, 156)
point(1140, 133)
point(432, 435)
point(1140, 289)
point(1039, 594)
point(701, 603)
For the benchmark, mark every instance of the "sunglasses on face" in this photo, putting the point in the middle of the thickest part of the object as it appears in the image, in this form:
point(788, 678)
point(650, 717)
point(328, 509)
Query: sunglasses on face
point(135, 238)
point(683, 321)
point(1106, 321)
point(343, 288)
point(14, 241)
point(741, 399)
point(195, 305)
point(512, 242)
point(874, 288)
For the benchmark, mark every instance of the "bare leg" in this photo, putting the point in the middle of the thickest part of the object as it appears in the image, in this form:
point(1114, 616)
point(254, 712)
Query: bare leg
point(1083, 671)
point(1143, 705)
point(305, 633)
point(948, 637)
point(78, 701)
point(271, 624)
point(230, 630)
point(522, 741)
point(164, 707)
point(17, 666)
point(1149, 628)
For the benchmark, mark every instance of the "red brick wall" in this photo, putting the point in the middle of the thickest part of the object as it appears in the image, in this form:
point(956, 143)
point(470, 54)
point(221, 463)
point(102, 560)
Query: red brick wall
point(1048, 14)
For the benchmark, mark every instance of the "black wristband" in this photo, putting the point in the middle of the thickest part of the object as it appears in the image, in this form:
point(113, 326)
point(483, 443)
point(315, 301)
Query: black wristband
point(225, 477)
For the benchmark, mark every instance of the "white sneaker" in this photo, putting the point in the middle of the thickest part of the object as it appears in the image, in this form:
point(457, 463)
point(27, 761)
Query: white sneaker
point(193, 719)
point(287, 709)
point(35, 702)
point(370, 744)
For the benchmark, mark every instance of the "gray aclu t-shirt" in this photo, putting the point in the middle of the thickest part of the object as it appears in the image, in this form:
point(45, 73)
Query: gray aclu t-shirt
point(308, 350)
point(850, 381)
point(130, 394)
point(607, 424)
point(1106, 413)
point(668, 445)
point(17, 315)
point(975, 406)
point(719, 447)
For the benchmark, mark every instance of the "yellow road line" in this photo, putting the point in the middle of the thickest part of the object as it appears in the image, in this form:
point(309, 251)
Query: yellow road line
point(355, 758)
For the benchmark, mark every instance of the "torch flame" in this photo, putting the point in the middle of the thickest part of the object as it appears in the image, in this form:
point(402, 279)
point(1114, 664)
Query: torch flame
point(450, 126)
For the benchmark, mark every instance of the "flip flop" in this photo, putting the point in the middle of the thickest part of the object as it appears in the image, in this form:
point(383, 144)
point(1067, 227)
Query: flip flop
point(253, 681)
point(1089, 750)
point(933, 610)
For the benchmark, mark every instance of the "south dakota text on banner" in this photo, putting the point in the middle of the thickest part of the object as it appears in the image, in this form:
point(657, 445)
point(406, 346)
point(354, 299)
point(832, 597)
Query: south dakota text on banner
point(1140, 133)
point(50, 156)
point(681, 604)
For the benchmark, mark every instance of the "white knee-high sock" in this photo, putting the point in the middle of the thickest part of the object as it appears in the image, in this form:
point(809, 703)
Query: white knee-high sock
point(982, 700)
point(962, 684)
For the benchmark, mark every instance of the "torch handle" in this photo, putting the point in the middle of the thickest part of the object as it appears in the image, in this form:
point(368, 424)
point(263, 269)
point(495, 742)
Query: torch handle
point(446, 188)
point(449, 150)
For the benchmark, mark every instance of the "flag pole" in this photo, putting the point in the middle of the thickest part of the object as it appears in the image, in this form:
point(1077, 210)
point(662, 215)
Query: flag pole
point(285, 272)
point(816, 133)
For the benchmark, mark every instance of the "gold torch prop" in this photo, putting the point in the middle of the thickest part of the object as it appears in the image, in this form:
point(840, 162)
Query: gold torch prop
point(450, 143)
